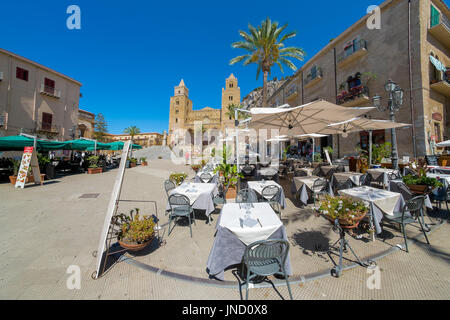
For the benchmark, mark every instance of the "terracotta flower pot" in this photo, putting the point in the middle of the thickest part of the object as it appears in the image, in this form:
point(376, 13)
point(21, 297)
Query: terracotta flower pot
point(419, 189)
point(144, 164)
point(132, 164)
point(12, 179)
point(231, 193)
point(132, 246)
point(95, 170)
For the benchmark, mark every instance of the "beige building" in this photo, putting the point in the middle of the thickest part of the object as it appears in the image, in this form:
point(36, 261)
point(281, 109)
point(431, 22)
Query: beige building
point(182, 115)
point(35, 99)
point(343, 73)
point(86, 124)
point(145, 139)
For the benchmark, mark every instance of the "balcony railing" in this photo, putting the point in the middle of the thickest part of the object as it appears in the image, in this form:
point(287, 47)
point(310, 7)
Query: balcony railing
point(358, 48)
point(442, 20)
point(48, 127)
point(355, 96)
point(50, 91)
point(311, 79)
point(291, 91)
point(440, 29)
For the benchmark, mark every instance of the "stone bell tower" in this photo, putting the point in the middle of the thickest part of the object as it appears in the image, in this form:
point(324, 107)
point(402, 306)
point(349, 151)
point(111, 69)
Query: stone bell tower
point(231, 94)
point(180, 105)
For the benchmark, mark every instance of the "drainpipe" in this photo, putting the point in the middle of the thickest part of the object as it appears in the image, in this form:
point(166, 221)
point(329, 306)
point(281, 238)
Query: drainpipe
point(411, 100)
point(335, 95)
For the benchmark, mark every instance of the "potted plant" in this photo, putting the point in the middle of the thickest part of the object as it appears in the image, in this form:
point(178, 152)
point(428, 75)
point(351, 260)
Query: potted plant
point(178, 178)
point(348, 211)
point(94, 165)
point(144, 161)
point(380, 151)
point(133, 162)
point(16, 167)
point(419, 182)
point(135, 232)
point(229, 177)
point(196, 167)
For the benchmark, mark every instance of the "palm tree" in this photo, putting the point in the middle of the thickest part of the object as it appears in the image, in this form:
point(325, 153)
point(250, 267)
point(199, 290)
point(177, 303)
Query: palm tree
point(132, 131)
point(231, 109)
point(265, 47)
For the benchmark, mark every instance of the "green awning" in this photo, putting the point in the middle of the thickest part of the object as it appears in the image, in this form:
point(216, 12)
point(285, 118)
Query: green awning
point(15, 143)
point(118, 145)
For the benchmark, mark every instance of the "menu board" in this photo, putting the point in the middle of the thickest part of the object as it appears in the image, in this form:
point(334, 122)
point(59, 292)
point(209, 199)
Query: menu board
point(28, 158)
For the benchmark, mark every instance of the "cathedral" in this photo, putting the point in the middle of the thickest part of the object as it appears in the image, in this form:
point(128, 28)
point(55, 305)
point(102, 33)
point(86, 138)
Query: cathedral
point(182, 115)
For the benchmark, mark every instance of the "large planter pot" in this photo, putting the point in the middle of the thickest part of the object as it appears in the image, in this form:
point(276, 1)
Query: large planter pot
point(231, 193)
point(419, 189)
point(144, 164)
point(132, 164)
point(12, 179)
point(354, 164)
point(95, 170)
point(131, 246)
point(345, 224)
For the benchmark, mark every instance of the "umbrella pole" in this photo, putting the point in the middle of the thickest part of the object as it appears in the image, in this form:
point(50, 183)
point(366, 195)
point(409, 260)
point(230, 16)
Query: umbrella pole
point(314, 148)
point(236, 124)
point(370, 148)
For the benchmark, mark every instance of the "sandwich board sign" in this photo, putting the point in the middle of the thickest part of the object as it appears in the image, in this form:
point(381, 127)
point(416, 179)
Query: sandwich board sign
point(111, 211)
point(328, 156)
point(29, 158)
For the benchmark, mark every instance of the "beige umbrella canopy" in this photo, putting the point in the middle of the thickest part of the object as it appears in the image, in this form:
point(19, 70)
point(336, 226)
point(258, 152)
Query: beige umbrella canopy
point(361, 124)
point(306, 119)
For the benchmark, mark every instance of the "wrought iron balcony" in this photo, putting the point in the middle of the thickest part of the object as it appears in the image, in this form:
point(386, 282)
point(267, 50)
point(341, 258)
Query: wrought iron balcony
point(312, 79)
point(355, 97)
point(353, 52)
point(50, 91)
point(440, 29)
point(48, 128)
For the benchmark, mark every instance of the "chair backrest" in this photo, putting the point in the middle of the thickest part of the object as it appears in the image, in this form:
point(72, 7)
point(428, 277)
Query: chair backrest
point(340, 168)
point(344, 185)
point(365, 180)
point(407, 171)
point(180, 202)
point(413, 206)
point(316, 171)
point(206, 177)
point(259, 252)
point(395, 175)
point(330, 173)
point(319, 185)
point(169, 185)
point(246, 196)
point(442, 192)
point(271, 192)
point(247, 169)
point(270, 173)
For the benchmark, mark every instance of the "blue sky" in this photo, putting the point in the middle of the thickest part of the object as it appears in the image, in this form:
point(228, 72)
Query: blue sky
point(130, 54)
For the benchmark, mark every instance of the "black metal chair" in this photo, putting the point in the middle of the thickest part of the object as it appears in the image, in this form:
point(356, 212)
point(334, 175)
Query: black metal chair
point(340, 168)
point(168, 186)
point(316, 171)
point(442, 194)
point(220, 198)
point(395, 175)
point(411, 211)
point(342, 186)
point(246, 196)
point(180, 206)
point(365, 180)
point(265, 258)
point(206, 177)
point(272, 194)
point(330, 173)
point(319, 188)
point(247, 170)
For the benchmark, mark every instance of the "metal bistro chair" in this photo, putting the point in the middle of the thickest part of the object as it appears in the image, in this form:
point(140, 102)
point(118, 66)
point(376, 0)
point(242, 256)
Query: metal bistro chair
point(270, 174)
point(272, 194)
point(316, 171)
point(365, 180)
point(394, 175)
point(319, 188)
point(169, 185)
point(220, 198)
point(330, 173)
point(247, 170)
point(246, 196)
point(206, 177)
point(411, 211)
point(443, 194)
point(342, 186)
point(265, 258)
point(180, 206)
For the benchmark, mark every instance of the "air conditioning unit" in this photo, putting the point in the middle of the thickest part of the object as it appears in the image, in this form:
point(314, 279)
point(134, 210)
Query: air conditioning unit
point(1, 76)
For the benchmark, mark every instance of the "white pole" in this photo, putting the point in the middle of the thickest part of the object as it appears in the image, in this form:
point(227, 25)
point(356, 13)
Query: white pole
point(236, 124)
point(370, 148)
point(314, 148)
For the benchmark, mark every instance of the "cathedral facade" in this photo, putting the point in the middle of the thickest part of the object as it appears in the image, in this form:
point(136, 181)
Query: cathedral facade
point(182, 116)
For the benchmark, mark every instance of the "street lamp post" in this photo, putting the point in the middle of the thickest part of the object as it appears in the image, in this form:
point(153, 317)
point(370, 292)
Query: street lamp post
point(394, 104)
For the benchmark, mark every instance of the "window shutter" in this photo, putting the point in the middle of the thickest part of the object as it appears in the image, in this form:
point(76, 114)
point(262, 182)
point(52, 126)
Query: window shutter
point(435, 17)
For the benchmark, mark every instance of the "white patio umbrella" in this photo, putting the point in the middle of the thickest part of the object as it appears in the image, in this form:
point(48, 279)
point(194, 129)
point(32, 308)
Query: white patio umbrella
point(305, 119)
point(443, 144)
point(361, 124)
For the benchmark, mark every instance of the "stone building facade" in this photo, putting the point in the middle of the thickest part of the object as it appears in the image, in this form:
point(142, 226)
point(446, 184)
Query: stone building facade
point(37, 100)
point(182, 116)
point(354, 67)
point(86, 124)
point(145, 139)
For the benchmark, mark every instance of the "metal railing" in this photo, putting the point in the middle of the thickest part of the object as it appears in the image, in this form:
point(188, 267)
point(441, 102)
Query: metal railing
point(442, 20)
point(356, 46)
point(291, 90)
point(48, 127)
point(354, 93)
point(310, 77)
point(50, 91)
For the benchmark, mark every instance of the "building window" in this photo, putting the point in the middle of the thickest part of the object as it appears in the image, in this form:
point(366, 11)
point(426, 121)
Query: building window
point(435, 17)
point(21, 74)
point(230, 98)
point(176, 111)
point(176, 120)
point(378, 137)
point(49, 86)
point(177, 102)
point(231, 85)
point(47, 119)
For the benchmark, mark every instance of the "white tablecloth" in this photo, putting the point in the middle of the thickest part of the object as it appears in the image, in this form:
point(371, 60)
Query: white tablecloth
point(301, 185)
point(437, 175)
point(215, 177)
point(258, 186)
point(438, 169)
point(232, 218)
point(383, 201)
point(381, 175)
point(200, 194)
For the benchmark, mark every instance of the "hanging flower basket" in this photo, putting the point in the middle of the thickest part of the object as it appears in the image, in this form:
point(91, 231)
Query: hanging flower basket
point(348, 211)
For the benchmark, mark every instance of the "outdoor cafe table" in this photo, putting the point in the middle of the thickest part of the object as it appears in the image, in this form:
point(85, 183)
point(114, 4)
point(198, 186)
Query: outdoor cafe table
point(341, 177)
point(393, 187)
point(200, 195)
point(233, 234)
point(380, 202)
point(303, 186)
point(303, 172)
point(381, 175)
point(268, 172)
point(326, 169)
point(215, 177)
point(258, 186)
